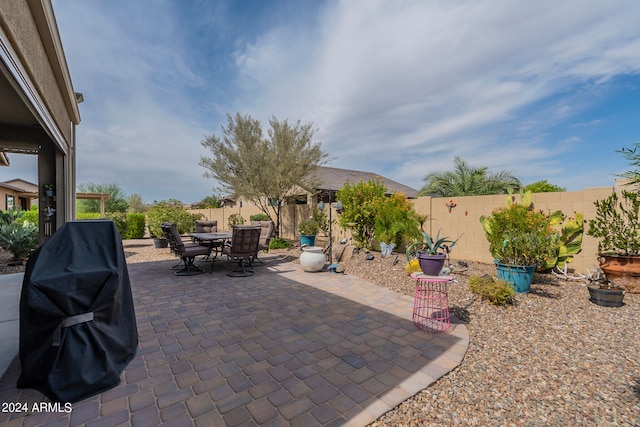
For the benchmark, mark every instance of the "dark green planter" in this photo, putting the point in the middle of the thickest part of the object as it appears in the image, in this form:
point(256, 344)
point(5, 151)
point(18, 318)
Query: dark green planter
point(606, 297)
point(160, 243)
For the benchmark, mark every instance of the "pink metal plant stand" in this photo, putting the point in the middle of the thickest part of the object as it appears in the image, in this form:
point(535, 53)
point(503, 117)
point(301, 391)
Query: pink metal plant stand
point(431, 302)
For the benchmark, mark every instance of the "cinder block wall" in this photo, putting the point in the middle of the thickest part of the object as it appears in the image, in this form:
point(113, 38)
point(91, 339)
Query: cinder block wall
point(464, 219)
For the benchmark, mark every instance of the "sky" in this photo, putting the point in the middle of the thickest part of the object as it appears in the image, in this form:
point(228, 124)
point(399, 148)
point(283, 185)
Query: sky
point(545, 89)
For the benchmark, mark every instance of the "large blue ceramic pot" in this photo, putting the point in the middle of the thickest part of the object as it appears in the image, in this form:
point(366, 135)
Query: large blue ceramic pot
point(517, 276)
point(308, 240)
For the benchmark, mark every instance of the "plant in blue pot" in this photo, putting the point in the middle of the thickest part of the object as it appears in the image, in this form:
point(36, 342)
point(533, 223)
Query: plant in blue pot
point(431, 252)
point(521, 239)
point(309, 228)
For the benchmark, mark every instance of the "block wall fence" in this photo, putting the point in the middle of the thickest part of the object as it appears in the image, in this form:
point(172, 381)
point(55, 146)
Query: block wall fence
point(463, 219)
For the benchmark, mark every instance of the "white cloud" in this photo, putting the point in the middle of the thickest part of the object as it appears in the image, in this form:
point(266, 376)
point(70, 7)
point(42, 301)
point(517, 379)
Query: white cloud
point(396, 88)
point(407, 80)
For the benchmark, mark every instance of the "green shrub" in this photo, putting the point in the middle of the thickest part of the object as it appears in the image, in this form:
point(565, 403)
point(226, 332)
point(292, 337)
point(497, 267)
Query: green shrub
point(121, 221)
point(88, 215)
point(11, 216)
point(135, 230)
point(279, 243)
point(396, 221)
point(260, 217)
point(360, 203)
point(235, 219)
point(32, 215)
point(495, 291)
point(171, 210)
point(19, 238)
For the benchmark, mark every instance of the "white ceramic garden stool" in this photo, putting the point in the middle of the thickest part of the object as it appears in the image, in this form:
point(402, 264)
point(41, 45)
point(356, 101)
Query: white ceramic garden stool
point(312, 258)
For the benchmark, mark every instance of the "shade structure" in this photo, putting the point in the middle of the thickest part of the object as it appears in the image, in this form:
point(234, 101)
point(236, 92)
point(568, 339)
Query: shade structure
point(77, 321)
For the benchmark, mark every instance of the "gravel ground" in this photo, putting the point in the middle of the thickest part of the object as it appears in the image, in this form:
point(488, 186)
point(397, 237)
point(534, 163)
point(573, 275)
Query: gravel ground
point(551, 359)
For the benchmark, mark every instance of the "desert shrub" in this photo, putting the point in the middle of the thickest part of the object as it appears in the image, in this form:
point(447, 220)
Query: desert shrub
point(259, 217)
point(396, 221)
point(171, 210)
point(235, 219)
point(11, 215)
point(88, 215)
point(135, 229)
point(120, 219)
point(361, 202)
point(413, 266)
point(495, 291)
point(31, 215)
point(279, 243)
point(19, 237)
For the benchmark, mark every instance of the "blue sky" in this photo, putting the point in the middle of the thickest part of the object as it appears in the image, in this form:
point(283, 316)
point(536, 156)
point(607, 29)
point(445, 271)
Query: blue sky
point(545, 89)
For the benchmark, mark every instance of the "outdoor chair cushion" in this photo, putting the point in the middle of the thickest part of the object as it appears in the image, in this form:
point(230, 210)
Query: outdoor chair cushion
point(203, 226)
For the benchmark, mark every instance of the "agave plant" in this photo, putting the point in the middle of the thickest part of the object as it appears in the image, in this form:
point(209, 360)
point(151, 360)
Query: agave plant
point(431, 245)
point(19, 239)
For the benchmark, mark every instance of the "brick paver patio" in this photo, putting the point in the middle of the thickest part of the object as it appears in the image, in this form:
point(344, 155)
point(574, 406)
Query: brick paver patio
point(283, 347)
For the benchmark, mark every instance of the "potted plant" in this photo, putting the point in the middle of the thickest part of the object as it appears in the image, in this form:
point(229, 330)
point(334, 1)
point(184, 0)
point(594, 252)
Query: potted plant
point(431, 252)
point(50, 190)
point(617, 227)
point(309, 228)
point(602, 291)
point(520, 240)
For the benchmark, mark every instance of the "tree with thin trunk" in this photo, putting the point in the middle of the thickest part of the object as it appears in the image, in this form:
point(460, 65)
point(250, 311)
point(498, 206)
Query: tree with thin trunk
point(466, 180)
point(262, 170)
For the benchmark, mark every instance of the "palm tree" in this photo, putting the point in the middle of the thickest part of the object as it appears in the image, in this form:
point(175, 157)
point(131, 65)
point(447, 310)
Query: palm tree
point(465, 180)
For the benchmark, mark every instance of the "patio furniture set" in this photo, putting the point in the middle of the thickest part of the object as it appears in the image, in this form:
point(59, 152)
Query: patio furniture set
point(241, 246)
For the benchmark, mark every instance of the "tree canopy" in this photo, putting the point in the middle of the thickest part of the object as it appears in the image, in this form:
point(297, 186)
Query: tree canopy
point(633, 156)
point(262, 170)
point(466, 180)
point(543, 187)
point(116, 202)
point(136, 205)
point(210, 202)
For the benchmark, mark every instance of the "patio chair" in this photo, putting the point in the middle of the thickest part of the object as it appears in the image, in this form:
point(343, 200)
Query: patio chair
point(173, 247)
point(186, 251)
point(209, 226)
point(203, 226)
point(243, 249)
point(267, 232)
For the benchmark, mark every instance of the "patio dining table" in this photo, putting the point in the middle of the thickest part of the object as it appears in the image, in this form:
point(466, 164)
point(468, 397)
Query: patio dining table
point(215, 240)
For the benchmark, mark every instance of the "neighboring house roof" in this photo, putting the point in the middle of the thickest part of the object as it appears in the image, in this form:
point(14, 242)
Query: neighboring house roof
point(21, 185)
point(10, 187)
point(335, 178)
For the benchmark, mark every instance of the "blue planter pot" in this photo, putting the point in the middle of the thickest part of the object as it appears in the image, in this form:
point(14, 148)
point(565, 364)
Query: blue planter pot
point(309, 240)
point(517, 276)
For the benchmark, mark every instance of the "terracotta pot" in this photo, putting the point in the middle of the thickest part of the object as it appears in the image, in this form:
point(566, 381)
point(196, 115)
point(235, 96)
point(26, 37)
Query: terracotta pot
point(624, 268)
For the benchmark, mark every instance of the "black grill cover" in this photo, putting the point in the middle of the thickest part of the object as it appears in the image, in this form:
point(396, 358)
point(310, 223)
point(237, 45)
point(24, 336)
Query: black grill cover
point(77, 322)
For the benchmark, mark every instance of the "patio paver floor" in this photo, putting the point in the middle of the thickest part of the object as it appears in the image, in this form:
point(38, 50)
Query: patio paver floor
point(282, 347)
